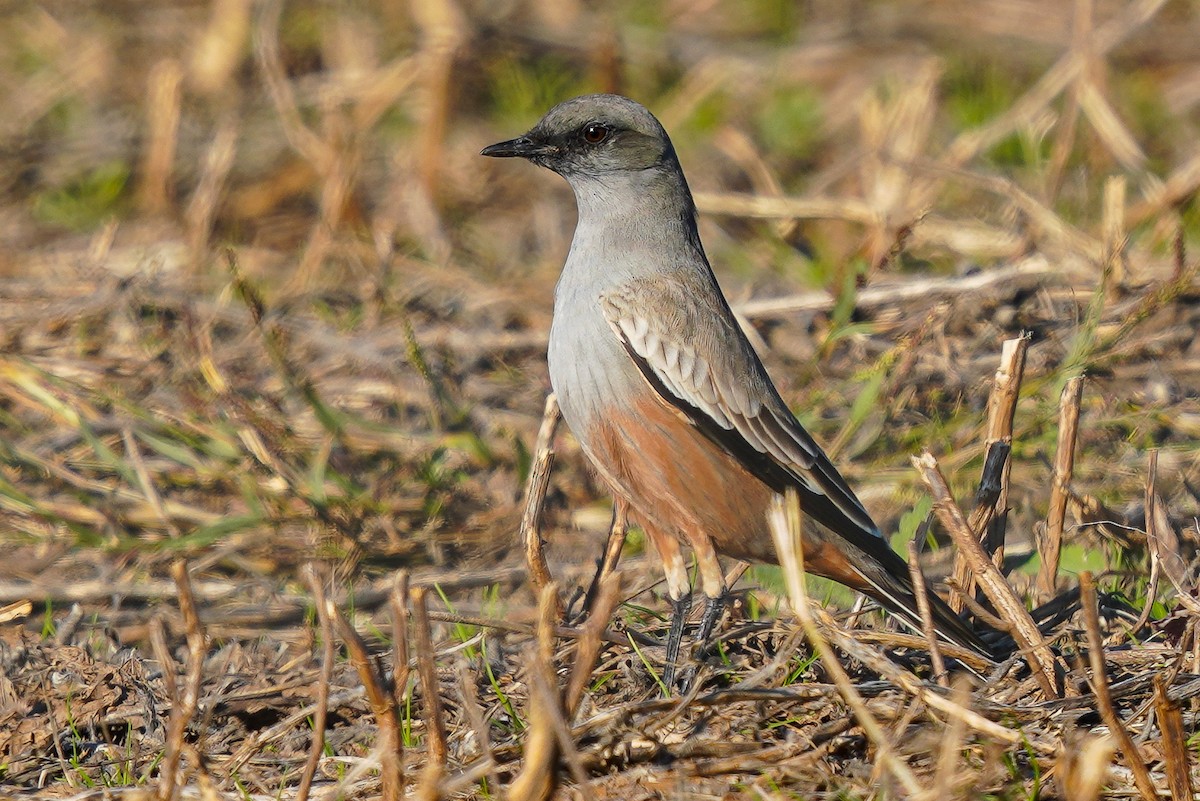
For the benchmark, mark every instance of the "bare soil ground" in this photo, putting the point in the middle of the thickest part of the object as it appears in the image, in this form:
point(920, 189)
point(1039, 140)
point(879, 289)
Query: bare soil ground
point(270, 330)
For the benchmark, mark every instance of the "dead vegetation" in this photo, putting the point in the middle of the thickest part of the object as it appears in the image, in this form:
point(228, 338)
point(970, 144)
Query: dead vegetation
point(271, 382)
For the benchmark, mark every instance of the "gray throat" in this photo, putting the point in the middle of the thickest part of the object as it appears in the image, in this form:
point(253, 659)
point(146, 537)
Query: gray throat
point(631, 225)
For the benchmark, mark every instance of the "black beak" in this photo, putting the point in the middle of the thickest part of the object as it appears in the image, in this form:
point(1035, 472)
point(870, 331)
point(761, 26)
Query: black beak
point(521, 147)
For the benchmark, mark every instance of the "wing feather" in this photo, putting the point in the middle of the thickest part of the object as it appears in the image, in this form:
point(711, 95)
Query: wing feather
point(722, 387)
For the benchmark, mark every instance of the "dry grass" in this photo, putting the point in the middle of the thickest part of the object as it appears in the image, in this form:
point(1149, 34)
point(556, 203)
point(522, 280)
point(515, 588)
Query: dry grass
point(271, 331)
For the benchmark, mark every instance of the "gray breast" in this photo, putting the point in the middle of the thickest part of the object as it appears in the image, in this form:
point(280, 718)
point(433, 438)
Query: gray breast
point(589, 369)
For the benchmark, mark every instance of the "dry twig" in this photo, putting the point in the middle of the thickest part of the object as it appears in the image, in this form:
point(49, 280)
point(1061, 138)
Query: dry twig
point(317, 747)
point(189, 699)
point(1041, 660)
point(612, 552)
point(1104, 701)
point(435, 720)
point(1002, 407)
point(537, 778)
point(535, 497)
point(1174, 742)
point(398, 603)
point(1064, 465)
point(383, 707)
point(927, 628)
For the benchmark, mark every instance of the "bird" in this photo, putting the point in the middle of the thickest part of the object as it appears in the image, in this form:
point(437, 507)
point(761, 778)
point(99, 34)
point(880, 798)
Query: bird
point(663, 390)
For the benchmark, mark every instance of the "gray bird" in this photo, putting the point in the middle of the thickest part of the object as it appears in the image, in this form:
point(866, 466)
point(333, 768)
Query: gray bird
point(664, 392)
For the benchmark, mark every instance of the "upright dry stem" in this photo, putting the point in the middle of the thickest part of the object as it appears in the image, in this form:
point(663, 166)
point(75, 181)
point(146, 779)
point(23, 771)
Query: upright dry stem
point(383, 707)
point(535, 497)
point(1064, 466)
point(1002, 409)
point(927, 627)
point(1104, 701)
point(317, 747)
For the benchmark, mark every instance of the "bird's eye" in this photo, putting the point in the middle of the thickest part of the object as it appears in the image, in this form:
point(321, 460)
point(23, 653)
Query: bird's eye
point(595, 133)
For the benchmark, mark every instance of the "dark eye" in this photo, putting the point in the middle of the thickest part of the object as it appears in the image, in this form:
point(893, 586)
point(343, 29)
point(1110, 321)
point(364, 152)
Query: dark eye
point(594, 133)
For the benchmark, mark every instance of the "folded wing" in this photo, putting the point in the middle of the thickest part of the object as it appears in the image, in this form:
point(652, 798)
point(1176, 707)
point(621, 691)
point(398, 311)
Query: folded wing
point(708, 371)
point(688, 346)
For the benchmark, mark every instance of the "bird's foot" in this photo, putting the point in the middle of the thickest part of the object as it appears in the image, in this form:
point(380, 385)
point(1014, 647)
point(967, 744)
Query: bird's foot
point(713, 608)
point(679, 612)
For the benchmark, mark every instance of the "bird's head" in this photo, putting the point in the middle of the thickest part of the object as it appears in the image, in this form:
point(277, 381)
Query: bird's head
point(593, 136)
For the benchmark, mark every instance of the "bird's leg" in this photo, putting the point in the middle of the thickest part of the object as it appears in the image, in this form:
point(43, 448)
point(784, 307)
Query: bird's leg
point(712, 582)
point(679, 614)
point(612, 553)
point(680, 593)
point(712, 613)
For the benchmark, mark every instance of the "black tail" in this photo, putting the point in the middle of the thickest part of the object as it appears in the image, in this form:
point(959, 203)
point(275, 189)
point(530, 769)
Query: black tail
point(893, 588)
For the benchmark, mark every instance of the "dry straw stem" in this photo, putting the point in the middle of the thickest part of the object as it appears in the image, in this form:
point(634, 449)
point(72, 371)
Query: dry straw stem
point(18, 610)
point(785, 522)
point(1174, 742)
point(221, 46)
point(535, 498)
point(469, 694)
point(1150, 507)
point(892, 293)
point(1002, 410)
point(927, 628)
point(1064, 142)
point(1163, 544)
point(1180, 185)
point(1112, 228)
point(588, 647)
point(383, 708)
point(977, 609)
point(537, 778)
point(270, 63)
point(334, 157)
point(952, 743)
point(991, 484)
point(1082, 767)
point(435, 720)
point(184, 705)
point(546, 697)
point(398, 603)
point(1064, 466)
point(317, 747)
point(1104, 702)
point(787, 208)
point(214, 172)
point(742, 150)
point(855, 647)
point(144, 482)
point(904, 639)
point(1041, 660)
point(286, 727)
point(612, 552)
point(1160, 534)
point(442, 29)
point(1086, 95)
point(162, 110)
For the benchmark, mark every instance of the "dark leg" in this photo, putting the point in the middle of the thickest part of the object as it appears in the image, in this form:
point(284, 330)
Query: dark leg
point(679, 612)
point(713, 608)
